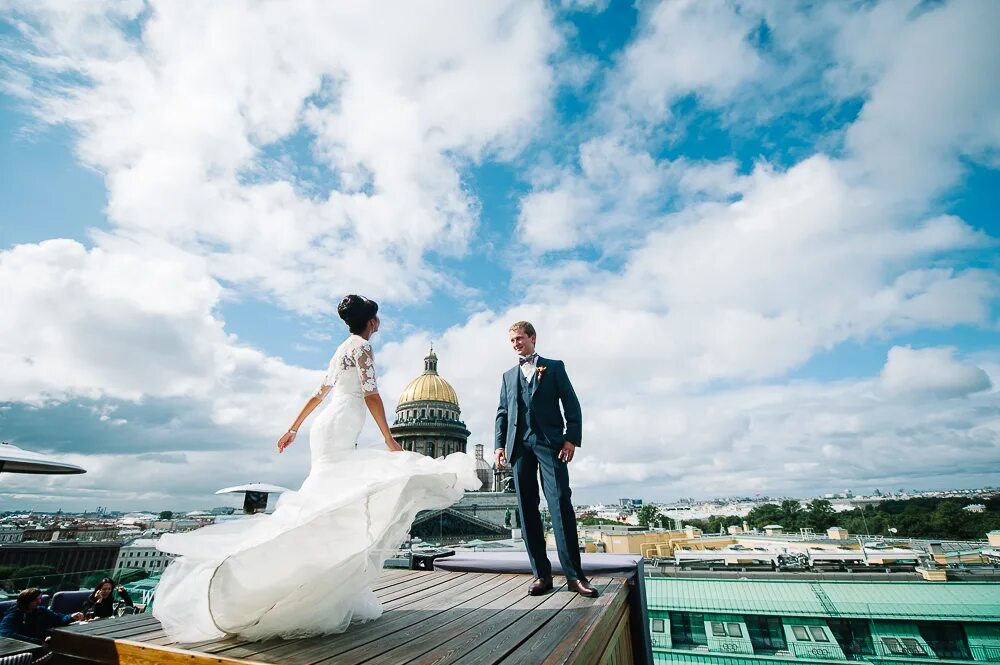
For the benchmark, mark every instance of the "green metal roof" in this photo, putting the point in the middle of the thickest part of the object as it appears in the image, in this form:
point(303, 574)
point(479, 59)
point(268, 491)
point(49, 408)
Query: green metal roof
point(946, 601)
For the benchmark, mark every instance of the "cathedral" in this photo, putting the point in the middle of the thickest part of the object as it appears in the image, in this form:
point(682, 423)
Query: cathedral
point(428, 416)
point(428, 421)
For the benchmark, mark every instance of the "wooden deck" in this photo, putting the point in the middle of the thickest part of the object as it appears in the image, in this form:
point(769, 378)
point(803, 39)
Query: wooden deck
point(430, 618)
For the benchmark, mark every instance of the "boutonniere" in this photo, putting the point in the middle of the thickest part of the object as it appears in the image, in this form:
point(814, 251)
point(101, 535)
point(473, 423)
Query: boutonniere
point(540, 371)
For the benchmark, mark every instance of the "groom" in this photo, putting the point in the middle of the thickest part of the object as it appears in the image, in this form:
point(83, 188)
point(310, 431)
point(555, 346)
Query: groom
point(531, 434)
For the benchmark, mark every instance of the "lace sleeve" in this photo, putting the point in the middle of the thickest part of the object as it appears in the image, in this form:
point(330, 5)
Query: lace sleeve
point(364, 358)
point(327, 384)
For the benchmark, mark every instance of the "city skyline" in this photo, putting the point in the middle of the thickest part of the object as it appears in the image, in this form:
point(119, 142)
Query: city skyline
point(761, 236)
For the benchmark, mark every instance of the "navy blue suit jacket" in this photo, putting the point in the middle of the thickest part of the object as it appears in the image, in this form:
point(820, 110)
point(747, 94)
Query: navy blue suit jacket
point(553, 388)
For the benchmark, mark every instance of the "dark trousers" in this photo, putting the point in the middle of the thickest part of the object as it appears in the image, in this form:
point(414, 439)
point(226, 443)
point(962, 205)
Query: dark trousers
point(534, 457)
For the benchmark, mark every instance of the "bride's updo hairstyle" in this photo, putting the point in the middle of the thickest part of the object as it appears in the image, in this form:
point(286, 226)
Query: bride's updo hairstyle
point(357, 311)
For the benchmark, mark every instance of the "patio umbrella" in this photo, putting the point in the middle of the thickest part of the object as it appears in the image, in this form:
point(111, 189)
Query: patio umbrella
point(18, 460)
point(255, 499)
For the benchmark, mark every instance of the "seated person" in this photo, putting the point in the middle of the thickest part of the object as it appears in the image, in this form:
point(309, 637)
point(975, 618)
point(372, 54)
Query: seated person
point(102, 601)
point(30, 623)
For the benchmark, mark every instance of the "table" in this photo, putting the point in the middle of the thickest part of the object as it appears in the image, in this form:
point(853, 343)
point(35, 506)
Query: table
point(11, 647)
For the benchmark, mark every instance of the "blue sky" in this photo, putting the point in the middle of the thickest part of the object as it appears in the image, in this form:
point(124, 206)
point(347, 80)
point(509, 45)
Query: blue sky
point(763, 238)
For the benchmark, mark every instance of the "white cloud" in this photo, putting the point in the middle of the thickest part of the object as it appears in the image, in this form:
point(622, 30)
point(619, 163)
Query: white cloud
point(932, 372)
point(199, 118)
point(934, 101)
point(687, 47)
point(130, 321)
point(596, 6)
point(393, 103)
point(615, 196)
point(714, 283)
point(646, 435)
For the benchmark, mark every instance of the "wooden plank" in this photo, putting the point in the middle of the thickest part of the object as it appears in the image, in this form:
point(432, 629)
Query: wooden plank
point(576, 626)
point(87, 647)
point(80, 645)
point(137, 653)
point(602, 633)
point(488, 641)
point(415, 579)
point(563, 630)
point(361, 635)
point(101, 625)
point(593, 647)
point(395, 583)
point(412, 583)
point(134, 634)
point(388, 579)
point(107, 651)
point(439, 618)
point(619, 648)
point(445, 582)
point(112, 626)
point(11, 647)
point(438, 630)
point(247, 649)
point(166, 640)
point(443, 624)
point(392, 573)
point(509, 644)
point(149, 636)
point(430, 581)
point(63, 659)
point(385, 582)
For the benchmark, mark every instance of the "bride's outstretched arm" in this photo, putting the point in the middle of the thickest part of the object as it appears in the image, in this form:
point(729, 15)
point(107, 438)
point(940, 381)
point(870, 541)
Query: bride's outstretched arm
point(314, 401)
point(377, 409)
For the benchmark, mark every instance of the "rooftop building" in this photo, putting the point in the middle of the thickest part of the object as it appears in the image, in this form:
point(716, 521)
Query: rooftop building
point(69, 556)
point(742, 621)
point(142, 554)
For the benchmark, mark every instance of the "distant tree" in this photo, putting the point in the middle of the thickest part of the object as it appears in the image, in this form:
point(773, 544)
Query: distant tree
point(698, 524)
point(43, 577)
point(820, 514)
point(921, 517)
point(765, 514)
point(719, 523)
point(791, 514)
point(595, 521)
point(649, 515)
point(6, 572)
point(166, 514)
point(924, 517)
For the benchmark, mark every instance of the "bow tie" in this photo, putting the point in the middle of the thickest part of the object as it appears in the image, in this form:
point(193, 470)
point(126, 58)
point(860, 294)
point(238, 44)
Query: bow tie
point(527, 359)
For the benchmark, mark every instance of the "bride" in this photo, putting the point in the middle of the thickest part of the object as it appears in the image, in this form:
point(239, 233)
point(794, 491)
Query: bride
point(308, 567)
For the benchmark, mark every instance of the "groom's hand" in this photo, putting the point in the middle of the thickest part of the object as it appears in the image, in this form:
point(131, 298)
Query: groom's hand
point(567, 452)
point(501, 457)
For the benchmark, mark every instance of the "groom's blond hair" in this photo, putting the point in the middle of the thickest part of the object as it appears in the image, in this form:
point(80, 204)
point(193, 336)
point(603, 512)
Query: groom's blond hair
point(525, 327)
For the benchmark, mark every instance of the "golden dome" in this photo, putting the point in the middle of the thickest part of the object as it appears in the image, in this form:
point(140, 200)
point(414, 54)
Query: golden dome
point(429, 386)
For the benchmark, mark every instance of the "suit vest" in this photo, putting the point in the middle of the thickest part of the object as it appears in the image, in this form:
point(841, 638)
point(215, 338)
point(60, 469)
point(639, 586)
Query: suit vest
point(527, 424)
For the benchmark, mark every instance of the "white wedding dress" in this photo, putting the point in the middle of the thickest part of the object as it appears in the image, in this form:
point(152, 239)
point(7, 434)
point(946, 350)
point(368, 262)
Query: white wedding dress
point(308, 567)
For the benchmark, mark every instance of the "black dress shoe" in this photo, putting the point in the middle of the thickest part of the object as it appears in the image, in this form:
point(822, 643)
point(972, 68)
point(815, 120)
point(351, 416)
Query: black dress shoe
point(582, 587)
point(540, 586)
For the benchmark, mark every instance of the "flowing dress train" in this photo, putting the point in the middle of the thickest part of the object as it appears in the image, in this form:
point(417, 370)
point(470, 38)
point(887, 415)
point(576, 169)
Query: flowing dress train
point(308, 567)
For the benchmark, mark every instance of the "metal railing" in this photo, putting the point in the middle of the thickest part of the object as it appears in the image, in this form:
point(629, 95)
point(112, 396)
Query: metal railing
point(857, 650)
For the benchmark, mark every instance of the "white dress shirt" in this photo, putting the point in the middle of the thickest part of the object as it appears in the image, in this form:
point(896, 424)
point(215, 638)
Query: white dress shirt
point(528, 368)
